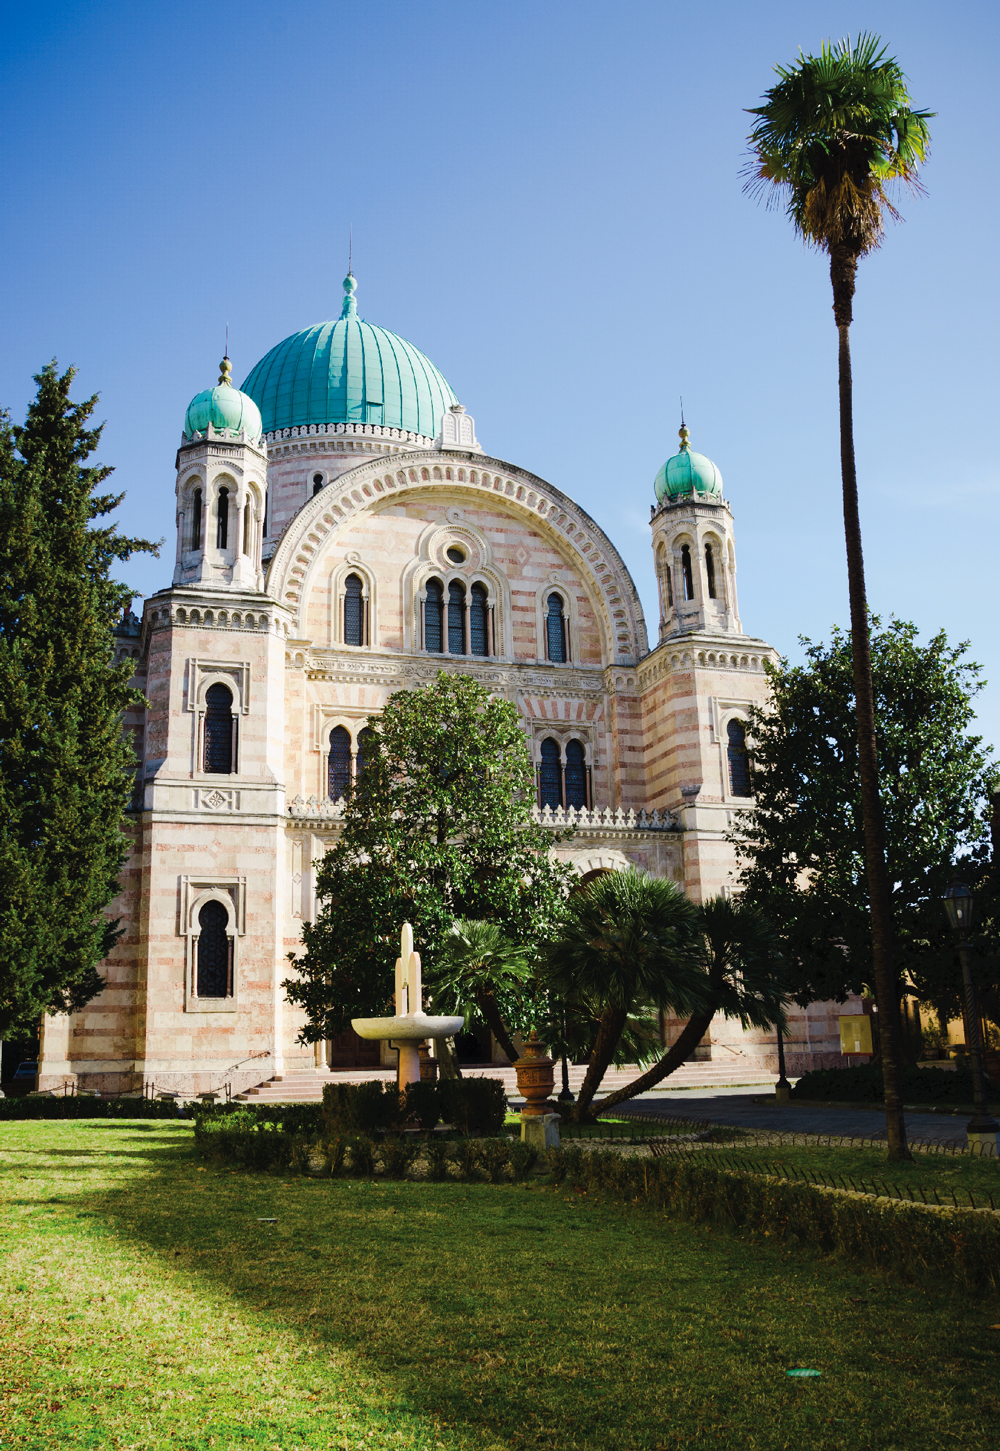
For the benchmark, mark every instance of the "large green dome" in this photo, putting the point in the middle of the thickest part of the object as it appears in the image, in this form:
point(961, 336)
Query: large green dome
point(224, 407)
point(349, 371)
point(688, 474)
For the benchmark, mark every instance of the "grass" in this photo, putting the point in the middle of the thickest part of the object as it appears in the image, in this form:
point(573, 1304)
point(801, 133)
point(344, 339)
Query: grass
point(148, 1304)
point(942, 1172)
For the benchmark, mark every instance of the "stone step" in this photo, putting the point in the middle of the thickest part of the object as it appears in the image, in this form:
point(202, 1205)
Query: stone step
point(307, 1087)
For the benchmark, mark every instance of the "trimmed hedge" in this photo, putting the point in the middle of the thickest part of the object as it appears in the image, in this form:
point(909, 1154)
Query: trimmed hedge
point(906, 1241)
point(470, 1105)
point(864, 1084)
point(76, 1106)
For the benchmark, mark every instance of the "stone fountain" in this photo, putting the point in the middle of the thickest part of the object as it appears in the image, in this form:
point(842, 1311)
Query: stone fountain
point(411, 1025)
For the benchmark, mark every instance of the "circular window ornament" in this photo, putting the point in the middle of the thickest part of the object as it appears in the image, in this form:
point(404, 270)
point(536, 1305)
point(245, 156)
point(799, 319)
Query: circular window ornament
point(455, 554)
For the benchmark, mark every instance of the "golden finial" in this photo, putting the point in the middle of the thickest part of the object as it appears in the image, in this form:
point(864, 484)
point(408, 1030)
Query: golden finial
point(684, 436)
point(225, 369)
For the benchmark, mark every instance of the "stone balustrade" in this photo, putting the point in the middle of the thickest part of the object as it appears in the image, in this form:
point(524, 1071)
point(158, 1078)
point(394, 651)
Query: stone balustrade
point(558, 818)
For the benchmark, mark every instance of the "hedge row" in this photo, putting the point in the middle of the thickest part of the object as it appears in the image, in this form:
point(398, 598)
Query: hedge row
point(470, 1105)
point(865, 1084)
point(75, 1106)
point(276, 1150)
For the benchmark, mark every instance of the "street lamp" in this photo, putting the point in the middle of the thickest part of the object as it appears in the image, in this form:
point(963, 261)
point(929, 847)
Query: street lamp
point(782, 1089)
point(982, 1128)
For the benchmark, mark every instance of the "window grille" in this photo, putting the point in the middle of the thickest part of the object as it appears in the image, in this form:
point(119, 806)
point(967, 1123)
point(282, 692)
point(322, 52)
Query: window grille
point(555, 629)
point(222, 532)
point(456, 618)
point(215, 953)
point(340, 763)
point(550, 775)
point(354, 607)
point(434, 617)
point(576, 775)
point(219, 730)
point(739, 759)
point(478, 628)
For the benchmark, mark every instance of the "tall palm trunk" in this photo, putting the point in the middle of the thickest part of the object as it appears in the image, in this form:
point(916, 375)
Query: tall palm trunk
point(843, 269)
point(677, 1054)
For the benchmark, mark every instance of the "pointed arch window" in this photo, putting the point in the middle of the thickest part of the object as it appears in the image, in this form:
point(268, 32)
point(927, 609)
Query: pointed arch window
point(317, 483)
point(687, 571)
point(339, 766)
point(196, 508)
point(354, 611)
point(214, 976)
point(710, 571)
point(434, 617)
point(220, 732)
point(222, 530)
point(479, 643)
point(555, 630)
point(550, 774)
point(456, 618)
point(739, 759)
point(576, 774)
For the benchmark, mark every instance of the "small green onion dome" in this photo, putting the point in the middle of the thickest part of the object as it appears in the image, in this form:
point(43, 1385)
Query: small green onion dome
point(688, 474)
point(224, 407)
point(349, 371)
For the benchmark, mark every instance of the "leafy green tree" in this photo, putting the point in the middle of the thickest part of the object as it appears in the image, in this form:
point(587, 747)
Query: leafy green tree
point(832, 135)
point(66, 773)
point(438, 829)
point(802, 848)
point(742, 975)
point(478, 968)
point(626, 943)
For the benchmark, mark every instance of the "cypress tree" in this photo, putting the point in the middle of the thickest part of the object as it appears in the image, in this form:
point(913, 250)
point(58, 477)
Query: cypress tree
point(66, 771)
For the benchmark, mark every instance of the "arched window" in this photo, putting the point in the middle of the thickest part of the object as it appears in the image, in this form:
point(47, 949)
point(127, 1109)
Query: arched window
point(215, 953)
point(219, 730)
point(686, 569)
point(434, 617)
point(354, 611)
point(366, 748)
point(739, 759)
point(247, 521)
point(264, 529)
point(340, 764)
point(317, 483)
point(196, 519)
point(576, 774)
point(670, 587)
point(555, 629)
point(710, 570)
point(222, 532)
point(550, 775)
point(456, 618)
point(479, 621)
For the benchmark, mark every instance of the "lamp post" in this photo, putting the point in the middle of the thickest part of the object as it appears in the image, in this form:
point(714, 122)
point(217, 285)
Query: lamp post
point(982, 1128)
point(565, 1095)
point(782, 1089)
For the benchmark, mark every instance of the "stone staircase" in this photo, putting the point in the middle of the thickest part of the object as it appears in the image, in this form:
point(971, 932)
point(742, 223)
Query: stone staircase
point(307, 1086)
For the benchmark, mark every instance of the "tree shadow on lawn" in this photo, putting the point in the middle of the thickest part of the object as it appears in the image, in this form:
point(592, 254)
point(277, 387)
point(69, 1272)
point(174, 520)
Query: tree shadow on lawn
point(539, 1317)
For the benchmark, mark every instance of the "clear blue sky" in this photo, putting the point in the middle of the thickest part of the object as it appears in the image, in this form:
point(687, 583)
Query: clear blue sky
point(546, 199)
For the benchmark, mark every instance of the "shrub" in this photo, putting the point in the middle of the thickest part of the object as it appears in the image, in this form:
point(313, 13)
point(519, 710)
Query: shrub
point(474, 1105)
point(362, 1152)
point(494, 1157)
point(423, 1104)
point(78, 1106)
point(438, 1152)
point(470, 1105)
point(864, 1084)
point(465, 1156)
point(522, 1159)
point(397, 1156)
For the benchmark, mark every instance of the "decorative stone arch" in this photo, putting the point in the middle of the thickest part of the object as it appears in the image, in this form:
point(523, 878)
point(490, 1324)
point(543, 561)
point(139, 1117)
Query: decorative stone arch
point(555, 584)
point(576, 536)
point(594, 864)
point(195, 895)
point(353, 564)
point(432, 562)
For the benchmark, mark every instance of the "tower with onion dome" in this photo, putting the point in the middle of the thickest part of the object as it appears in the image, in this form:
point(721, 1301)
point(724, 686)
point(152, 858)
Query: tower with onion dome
point(693, 546)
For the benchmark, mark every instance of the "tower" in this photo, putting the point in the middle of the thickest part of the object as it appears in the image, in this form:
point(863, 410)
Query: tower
point(704, 675)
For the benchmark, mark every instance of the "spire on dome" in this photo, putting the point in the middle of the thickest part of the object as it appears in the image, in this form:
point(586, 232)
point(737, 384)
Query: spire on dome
point(350, 307)
point(225, 372)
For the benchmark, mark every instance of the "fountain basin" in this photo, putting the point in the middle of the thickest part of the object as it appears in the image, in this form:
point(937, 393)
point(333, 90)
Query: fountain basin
point(408, 1027)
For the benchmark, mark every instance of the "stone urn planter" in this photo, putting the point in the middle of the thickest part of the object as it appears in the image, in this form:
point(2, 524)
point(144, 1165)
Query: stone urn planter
point(536, 1078)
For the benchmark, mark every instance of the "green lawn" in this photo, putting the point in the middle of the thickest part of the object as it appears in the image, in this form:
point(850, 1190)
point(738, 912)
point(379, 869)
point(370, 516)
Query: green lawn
point(146, 1305)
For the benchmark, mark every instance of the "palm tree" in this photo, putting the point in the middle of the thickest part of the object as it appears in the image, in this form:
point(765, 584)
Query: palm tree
point(626, 943)
point(478, 966)
point(835, 131)
point(744, 976)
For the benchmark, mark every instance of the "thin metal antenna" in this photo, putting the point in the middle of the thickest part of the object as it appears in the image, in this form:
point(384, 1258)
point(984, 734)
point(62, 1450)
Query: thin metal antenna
point(682, 412)
point(350, 253)
point(227, 340)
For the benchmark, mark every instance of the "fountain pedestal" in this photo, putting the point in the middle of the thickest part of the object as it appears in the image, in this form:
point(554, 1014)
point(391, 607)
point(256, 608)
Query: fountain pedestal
point(411, 1026)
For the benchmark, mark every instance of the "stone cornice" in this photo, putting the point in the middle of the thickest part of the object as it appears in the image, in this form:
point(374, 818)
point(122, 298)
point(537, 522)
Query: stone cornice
point(548, 509)
point(705, 650)
point(367, 667)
